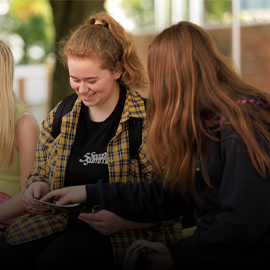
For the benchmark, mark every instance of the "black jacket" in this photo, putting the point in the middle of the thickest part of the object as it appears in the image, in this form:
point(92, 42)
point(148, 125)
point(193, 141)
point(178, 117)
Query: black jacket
point(234, 215)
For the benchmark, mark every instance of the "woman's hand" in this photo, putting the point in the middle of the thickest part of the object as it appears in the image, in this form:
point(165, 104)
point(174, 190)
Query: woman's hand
point(103, 221)
point(74, 194)
point(107, 222)
point(36, 190)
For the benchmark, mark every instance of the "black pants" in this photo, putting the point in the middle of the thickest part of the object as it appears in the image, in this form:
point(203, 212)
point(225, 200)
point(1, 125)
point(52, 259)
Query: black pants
point(77, 246)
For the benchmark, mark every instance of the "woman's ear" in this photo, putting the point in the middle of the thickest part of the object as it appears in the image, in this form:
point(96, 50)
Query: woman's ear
point(117, 71)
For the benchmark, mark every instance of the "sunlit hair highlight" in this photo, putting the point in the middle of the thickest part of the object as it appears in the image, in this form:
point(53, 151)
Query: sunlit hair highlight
point(191, 86)
point(8, 105)
point(103, 37)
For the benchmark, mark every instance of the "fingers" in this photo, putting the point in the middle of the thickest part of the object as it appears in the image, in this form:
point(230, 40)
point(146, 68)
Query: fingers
point(34, 191)
point(92, 220)
point(35, 207)
point(74, 194)
point(38, 209)
point(88, 218)
point(63, 193)
point(52, 194)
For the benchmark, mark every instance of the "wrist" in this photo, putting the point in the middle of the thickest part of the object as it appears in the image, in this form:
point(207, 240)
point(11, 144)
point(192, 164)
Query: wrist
point(91, 195)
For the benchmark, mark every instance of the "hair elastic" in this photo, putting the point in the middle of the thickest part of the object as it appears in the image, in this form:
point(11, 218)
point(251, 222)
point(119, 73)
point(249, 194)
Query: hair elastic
point(105, 24)
point(98, 22)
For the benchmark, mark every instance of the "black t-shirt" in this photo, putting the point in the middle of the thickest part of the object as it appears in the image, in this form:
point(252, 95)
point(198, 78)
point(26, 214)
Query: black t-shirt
point(88, 157)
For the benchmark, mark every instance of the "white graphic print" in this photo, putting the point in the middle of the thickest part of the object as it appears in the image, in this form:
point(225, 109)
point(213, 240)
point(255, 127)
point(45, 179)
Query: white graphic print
point(94, 158)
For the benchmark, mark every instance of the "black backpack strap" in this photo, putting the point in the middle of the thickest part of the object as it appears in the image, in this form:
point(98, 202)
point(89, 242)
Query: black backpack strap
point(135, 124)
point(135, 134)
point(65, 107)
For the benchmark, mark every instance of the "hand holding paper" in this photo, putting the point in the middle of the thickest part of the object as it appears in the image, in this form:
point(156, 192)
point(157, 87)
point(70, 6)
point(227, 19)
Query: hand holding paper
point(35, 190)
point(68, 195)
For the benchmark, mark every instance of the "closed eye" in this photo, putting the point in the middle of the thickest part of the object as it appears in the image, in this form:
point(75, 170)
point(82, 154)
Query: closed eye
point(74, 79)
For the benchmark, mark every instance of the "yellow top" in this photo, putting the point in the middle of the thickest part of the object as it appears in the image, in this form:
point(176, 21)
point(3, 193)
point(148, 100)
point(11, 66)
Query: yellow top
point(10, 175)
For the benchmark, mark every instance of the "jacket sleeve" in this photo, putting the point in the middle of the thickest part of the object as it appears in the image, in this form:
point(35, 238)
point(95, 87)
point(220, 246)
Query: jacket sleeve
point(140, 202)
point(242, 221)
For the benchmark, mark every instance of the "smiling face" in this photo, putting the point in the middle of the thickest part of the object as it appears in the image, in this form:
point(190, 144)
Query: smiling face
point(97, 87)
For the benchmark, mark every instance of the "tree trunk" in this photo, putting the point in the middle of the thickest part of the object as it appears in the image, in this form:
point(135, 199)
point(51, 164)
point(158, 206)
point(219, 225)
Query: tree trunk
point(68, 15)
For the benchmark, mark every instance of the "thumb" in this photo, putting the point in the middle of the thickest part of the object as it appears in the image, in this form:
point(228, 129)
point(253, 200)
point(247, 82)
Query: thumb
point(37, 192)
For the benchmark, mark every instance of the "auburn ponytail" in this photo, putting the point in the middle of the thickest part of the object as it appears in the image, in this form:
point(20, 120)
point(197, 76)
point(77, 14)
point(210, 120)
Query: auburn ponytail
point(102, 36)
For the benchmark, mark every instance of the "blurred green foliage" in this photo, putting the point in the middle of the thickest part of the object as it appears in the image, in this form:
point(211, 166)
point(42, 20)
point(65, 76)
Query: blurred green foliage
point(31, 22)
point(141, 12)
point(218, 7)
point(28, 26)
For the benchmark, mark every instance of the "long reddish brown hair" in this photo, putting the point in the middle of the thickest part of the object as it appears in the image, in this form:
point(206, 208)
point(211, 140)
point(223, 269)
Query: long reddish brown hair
point(103, 37)
point(191, 86)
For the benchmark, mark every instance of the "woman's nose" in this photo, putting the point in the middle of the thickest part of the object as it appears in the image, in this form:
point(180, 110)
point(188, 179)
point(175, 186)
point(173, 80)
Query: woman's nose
point(83, 88)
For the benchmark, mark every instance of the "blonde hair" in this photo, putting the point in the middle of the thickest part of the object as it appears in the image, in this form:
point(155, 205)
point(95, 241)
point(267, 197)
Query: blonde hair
point(103, 37)
point(8, 105)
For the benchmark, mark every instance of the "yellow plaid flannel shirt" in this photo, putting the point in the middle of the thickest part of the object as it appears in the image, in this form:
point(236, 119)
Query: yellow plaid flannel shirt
point(50, 166)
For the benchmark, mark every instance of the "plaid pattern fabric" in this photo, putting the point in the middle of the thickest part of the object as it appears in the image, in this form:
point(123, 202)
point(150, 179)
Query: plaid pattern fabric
point(50, 165)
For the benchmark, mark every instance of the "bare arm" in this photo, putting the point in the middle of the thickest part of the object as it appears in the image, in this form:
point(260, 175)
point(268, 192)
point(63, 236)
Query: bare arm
point(12, 207)
point(26, 137)
point(27, 133)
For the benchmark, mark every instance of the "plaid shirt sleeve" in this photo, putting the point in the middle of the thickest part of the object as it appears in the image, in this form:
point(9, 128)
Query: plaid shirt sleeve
point(45, 141)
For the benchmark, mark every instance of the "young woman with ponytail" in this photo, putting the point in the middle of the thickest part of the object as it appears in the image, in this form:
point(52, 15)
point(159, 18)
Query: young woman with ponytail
point(105, 71)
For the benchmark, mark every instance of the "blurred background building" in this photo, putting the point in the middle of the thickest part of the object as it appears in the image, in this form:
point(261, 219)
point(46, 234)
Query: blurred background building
point(241, 29)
